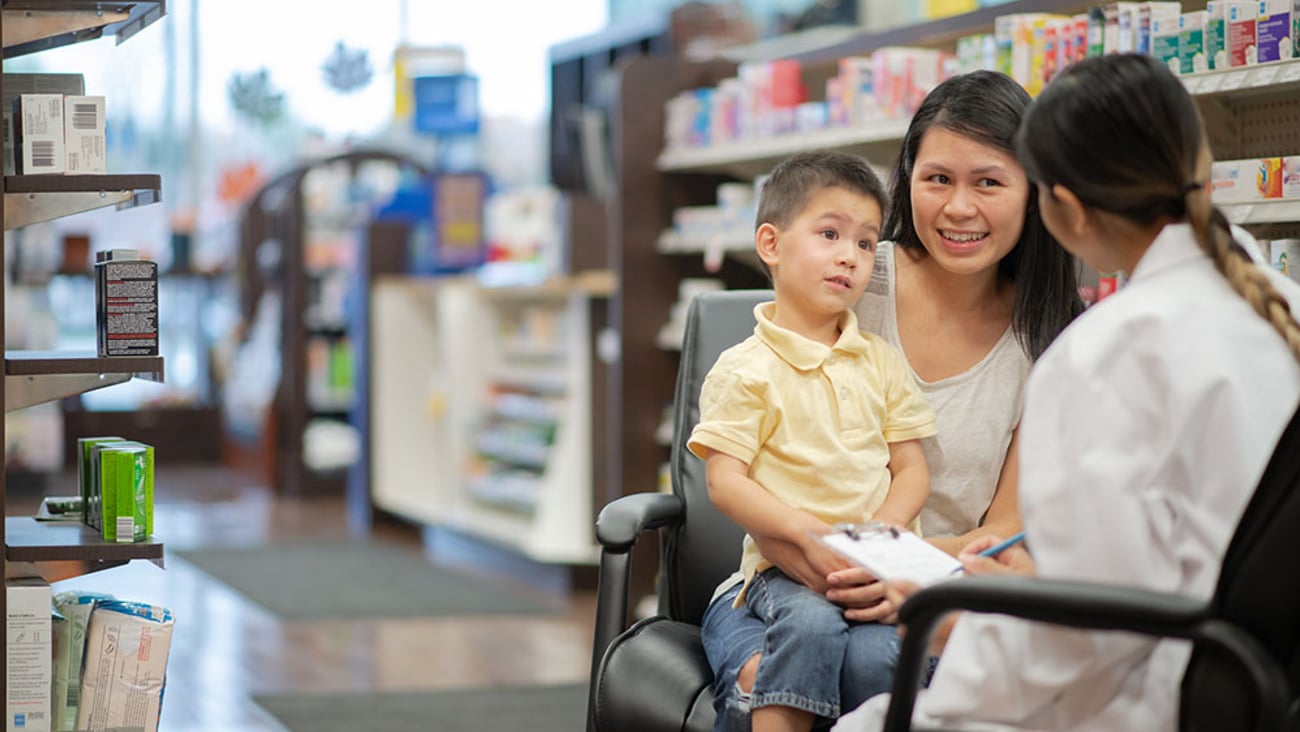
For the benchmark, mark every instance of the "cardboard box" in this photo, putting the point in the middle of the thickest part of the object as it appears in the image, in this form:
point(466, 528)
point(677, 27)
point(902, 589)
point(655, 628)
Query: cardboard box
point(15, 84)
point(1291, 176)
point(85, 472)
point(1273, 31)
point(1242, 181)
point(125, 666)
point(83, 135)
point(29, 656)
point(121, 507)
point(1191, 43)
point(1239, 17)
point(126, 303)
point(38, 134)
point(1216, 38)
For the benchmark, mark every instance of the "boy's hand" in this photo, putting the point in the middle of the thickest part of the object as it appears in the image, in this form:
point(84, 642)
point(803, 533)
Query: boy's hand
point(861, 595)
point(808, 563)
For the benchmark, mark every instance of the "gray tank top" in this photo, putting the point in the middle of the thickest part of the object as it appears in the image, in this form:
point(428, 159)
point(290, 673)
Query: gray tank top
point(976, 412)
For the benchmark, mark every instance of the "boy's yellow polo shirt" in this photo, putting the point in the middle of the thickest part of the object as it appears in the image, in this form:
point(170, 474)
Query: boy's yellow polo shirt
point(813, 422)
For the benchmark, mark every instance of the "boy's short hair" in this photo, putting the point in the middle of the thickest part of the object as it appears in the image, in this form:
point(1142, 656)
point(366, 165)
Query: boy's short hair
point(784, 193)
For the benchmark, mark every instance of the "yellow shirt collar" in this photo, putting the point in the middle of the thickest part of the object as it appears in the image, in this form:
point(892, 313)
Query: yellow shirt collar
point(802, 352)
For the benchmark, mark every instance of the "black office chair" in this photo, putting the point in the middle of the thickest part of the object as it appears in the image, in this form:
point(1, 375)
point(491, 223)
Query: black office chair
point(654, 676)
point(1244, 672)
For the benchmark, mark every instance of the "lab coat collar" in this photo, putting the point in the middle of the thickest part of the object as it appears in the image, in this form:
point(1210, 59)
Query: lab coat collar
point(802, 352)
point(1173, 246)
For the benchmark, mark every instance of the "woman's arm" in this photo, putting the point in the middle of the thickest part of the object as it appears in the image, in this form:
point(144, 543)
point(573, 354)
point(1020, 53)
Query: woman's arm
point(1003, 515)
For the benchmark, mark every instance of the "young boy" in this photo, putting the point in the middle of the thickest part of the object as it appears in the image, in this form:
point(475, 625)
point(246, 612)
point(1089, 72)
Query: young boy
point(810, 421)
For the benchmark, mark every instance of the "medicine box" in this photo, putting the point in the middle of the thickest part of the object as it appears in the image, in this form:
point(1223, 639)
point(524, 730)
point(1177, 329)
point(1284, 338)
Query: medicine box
point(29, 655)
point(1148, 12)
point(15, 84)
point(83, 135)
point(1291, 177)
point(126, 303)
point(1240, 20)
point(121, 508)
point(1241, 181)
point(1273, 31)
point(1216, 39)
point(1191, 43)
point(85, 473)
point(38, 134)
point(1164, 42)
point(1285, 257)
point(125, 666)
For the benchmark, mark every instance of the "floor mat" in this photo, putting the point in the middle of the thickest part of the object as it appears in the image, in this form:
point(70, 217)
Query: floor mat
point(532, 708)
point(347, 580)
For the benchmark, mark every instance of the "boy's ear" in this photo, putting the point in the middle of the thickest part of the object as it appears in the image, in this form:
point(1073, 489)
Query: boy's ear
point(1074, 211)
point(765, 244)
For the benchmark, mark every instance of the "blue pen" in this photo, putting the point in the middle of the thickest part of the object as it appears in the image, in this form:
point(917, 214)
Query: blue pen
point(997, 549)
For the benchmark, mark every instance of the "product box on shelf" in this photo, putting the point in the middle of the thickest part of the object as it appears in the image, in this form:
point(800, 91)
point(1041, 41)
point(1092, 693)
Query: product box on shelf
point(1191, 43)
point(1291, 176)
point(38, 134)
point(1216, 38)
point(126, 303)
point(85, 471)
point(1240, 20)
point(125, 666)
point(1147, 15)
point(15, 84)
point(1273, 31)
point(121, 505)
point(1242, 181)
point(1164, 42)
point(29, 652)
point(83, 135)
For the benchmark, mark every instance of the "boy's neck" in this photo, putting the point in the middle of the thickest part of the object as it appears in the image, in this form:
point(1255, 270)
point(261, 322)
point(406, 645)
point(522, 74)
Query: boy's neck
point(817, 327)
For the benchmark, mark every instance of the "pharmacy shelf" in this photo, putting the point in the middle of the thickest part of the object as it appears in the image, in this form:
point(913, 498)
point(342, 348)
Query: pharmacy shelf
point(877, 142)
point(33, 198)
point(29, 540)
point(1275, 211)
point(1270, 77)
point(36, 377)
point(31, 26)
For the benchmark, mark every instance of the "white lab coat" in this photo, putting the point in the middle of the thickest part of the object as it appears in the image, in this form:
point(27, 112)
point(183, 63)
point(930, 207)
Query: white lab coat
point(1146, 427)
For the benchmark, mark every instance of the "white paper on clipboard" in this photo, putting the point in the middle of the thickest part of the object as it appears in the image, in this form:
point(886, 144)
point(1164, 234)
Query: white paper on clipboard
point(890, 553)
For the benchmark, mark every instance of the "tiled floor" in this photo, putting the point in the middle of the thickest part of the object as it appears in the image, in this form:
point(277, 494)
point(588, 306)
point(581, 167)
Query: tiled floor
point(225, 648)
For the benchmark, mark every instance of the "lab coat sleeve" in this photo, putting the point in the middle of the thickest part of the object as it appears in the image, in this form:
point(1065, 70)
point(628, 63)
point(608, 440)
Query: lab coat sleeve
point(1094, 509)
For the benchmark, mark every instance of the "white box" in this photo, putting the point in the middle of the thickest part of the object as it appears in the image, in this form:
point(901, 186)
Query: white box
point(1291, 177)
point(28, 668)
point(83, 135)
point(124, 666)
point(38, 134)
point(1283, 257)
point(1235, 181)
point(1239, 27)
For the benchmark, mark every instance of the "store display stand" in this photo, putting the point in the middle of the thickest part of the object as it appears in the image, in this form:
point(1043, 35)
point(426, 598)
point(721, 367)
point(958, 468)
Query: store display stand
point(32, 378)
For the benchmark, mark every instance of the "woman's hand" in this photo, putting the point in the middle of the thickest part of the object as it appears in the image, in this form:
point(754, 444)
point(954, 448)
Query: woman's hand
point(808, 563)
point(1011, 561)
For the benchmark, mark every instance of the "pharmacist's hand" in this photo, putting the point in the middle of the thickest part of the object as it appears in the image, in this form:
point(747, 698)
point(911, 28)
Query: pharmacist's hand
point(1011, 561)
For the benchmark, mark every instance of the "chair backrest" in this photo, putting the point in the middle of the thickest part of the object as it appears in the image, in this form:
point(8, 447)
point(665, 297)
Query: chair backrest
point(1259, 592)
point(705, 547)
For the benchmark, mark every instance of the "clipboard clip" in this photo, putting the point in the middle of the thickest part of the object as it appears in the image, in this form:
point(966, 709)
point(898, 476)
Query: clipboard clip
point(871, 528)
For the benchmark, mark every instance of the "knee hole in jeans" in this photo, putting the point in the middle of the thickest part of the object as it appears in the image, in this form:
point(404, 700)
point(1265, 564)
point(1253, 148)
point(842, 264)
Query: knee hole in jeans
point(748, 672)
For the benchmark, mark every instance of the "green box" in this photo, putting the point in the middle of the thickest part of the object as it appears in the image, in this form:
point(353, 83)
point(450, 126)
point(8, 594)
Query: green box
point(85, 475)
point(124, 510)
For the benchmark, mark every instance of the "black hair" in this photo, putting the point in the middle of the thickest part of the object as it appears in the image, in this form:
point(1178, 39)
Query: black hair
point(1155, 152)
point(986, 107)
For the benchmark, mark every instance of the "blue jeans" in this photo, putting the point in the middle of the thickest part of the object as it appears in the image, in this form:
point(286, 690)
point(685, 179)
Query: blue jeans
point(812, 658)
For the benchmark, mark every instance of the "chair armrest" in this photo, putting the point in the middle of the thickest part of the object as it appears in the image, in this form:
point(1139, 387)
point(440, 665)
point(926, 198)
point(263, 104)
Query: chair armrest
point(1083, 605)
point(622, 520)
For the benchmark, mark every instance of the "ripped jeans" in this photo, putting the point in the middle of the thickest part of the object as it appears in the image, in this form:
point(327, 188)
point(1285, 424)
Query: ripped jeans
point(812, 658)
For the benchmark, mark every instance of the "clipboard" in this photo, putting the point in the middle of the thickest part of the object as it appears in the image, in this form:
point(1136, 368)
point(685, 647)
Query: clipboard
point(889, 552)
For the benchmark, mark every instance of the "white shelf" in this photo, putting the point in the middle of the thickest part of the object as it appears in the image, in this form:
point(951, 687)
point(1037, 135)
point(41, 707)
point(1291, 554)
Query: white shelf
point(1273, 76)
point(878, 142)
point(1269, 211)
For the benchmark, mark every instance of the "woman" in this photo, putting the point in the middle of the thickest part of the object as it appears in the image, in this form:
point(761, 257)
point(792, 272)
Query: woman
point(1146, 424)
point(971, 292)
